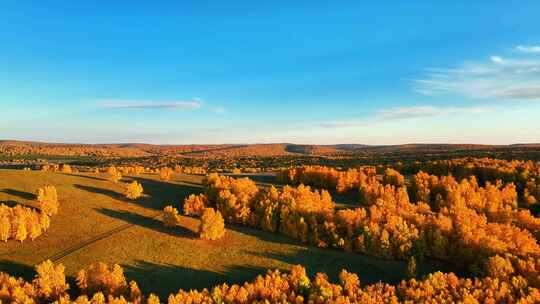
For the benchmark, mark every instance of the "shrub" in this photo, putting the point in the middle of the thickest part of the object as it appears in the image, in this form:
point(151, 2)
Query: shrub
point(194, 204)
point(48, 200)
point(171, 217)
point(212, 226)
point(165, 173)
point(134, 190)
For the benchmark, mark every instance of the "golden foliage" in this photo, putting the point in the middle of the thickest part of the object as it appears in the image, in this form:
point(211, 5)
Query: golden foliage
point(65, 168)
point(325, 177)
point(171, 217)
point(165, 173)
point(194, 204)
point(134, 190)
point(212, 226)
point(50, 281)
point(113, 174)
point(48, 200)
point(393, 177)
point(101, 284)
point(20, 223)
point(110, 281)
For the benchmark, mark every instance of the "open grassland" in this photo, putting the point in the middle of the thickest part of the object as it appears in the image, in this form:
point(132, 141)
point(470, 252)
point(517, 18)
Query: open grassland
point(96, 223)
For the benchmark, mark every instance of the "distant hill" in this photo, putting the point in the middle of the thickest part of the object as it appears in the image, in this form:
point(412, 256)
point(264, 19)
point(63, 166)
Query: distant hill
point(14, 147)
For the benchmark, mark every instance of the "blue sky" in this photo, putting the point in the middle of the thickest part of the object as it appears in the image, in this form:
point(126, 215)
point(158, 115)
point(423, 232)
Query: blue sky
point(322, 72)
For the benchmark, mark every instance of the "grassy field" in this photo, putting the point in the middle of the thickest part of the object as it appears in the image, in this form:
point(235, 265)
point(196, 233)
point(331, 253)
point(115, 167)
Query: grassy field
point(96, 223)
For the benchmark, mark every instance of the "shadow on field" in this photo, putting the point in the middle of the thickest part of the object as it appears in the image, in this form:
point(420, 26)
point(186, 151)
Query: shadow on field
point(20, 194)
point(10, 203)
point(370, 269)
point(274, 237)
point(17, 270)
point(161, 193)
point(148, 222)
point(85, 176)
point(110, 193)
point(166, 279)
point(331, 262)
point(261, 178)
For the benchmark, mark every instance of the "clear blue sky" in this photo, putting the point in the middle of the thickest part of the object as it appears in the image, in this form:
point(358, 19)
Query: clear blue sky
point(292, 71)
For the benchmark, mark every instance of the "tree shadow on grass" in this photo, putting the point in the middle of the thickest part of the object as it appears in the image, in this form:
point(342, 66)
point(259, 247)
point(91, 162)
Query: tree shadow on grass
point(148, 222)
point(17, 270)
point(370, 269)
point(274, 237)
point(85, 176)
point(12, 204)
point(166, 279)
point(161, 193)
point(259, 178)
point(110, 193)
point(21, 194)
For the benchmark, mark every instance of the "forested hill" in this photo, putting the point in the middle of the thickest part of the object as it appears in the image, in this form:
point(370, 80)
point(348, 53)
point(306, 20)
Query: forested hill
point(14, 148)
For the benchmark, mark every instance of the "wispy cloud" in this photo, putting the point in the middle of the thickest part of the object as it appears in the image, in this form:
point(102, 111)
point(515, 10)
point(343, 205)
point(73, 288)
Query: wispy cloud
point(528, 48)
point(425, 111)
point(406, 113)
point(152, 104)
point(511, 78)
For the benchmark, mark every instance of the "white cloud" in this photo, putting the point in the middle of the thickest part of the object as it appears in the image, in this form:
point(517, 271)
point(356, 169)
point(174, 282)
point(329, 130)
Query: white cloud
point(425, 111)
point(528, 48)
point(501, 78)
point(406, 113)
point(152, 104)
point(497, 59)
point(173, 105)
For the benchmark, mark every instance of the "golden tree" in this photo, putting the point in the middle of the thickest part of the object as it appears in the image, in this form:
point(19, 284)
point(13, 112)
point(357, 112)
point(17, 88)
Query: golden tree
point(138, 170)
point(100, 278)
point(134, 190)
point(194, 204)
point(5, 227)
point(165, 173)
point(19, 224)
point(171, 217)
point(152, 299)
point(50, 280)
point(212, 226)
point(48, 200)
point(499, 267)
point(113, 174)
point(65, 168)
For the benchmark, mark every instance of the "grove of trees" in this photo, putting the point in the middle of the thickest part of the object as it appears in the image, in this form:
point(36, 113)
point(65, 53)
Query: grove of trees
point(101, 283)
point(462, 223)
point(20, 222)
